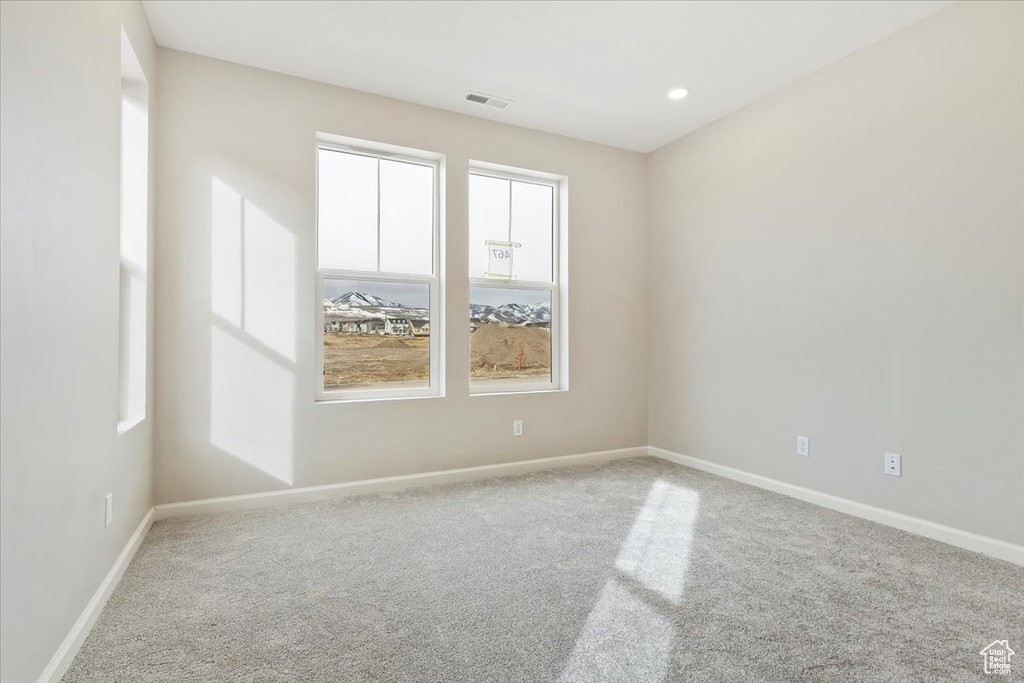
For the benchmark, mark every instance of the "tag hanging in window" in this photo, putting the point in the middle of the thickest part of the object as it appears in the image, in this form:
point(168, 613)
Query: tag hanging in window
point(500, 259)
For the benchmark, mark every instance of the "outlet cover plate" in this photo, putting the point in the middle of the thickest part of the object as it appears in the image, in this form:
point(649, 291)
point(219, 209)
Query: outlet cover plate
point(893, 465)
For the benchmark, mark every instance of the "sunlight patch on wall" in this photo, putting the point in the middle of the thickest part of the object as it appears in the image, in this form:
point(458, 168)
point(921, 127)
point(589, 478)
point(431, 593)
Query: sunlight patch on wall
point(226, 253)
point(252, 284)
point(251, 404)
point(269, 300)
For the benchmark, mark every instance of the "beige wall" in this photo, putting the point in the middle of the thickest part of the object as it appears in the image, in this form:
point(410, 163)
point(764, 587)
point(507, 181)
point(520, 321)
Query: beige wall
point(59, 258)
point(843, 260)
point(236, 412)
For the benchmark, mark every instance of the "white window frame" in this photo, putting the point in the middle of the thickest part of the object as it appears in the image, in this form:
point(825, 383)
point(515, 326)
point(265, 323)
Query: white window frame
point(133, 322)
point(434, 281)
point(558, 287)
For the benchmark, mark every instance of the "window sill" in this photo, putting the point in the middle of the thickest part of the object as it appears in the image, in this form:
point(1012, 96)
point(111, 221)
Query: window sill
point(125, 426)
point(324, 400)
point(499, 391)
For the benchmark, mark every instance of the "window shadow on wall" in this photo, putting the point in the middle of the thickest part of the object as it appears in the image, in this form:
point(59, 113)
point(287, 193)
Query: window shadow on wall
point(252, 334)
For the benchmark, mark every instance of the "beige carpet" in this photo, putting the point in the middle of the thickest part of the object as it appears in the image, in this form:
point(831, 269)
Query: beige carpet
point(638, 571)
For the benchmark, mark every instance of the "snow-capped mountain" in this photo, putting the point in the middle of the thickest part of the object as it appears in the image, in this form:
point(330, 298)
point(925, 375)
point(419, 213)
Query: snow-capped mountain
point(360, 305)
point(511, 314)
point(362, 300)
point(363, 306)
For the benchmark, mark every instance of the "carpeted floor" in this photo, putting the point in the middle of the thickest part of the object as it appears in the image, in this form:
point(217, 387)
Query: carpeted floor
point(635, 571)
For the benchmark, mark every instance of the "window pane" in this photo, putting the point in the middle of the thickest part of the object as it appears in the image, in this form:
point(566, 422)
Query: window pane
point(510, 336)
point(376, 334)
point(488, 220)
point(134, 239)
point(133, 346)
point(134, 181)
point(406, 217)
point(532, 214)
point(347, 211)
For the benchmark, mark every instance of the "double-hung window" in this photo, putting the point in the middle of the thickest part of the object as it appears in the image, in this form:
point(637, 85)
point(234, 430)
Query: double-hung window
point(134, 280)
point(516, 295)
point(379, 299)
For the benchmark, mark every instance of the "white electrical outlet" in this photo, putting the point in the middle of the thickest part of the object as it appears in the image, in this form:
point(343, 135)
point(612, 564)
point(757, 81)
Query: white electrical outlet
point(803, 446)
point(517, 428)
point(893, 465)
point(108, 509)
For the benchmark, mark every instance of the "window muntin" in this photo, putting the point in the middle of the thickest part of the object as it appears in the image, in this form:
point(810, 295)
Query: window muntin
point(378, 240)
point(514, 282)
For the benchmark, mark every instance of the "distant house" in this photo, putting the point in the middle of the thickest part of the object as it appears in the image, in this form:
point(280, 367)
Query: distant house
point(543, 324)
point(372, 326)
point(419, 327)
point(336, 323)
point(366, 326)
point(399, 327)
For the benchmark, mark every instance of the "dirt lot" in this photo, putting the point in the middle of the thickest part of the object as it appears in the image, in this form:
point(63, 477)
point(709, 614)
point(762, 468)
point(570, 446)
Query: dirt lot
point(369, 358)
point(494, 353)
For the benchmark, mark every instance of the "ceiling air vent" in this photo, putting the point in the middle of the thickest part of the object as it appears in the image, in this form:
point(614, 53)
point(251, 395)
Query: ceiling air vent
point(489, 100)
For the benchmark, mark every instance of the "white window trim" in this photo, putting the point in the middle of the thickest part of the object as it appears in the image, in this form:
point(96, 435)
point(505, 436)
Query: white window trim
point(558, 287)
point(435, 281)
point(133, 409)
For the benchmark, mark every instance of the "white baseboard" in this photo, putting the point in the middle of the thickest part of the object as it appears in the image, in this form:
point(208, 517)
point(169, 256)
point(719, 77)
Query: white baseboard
point(65, 654)
point(310, 493)
point(963, 539)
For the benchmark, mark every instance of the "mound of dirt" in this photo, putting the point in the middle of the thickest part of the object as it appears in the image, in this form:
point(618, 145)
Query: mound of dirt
point(392, 344)
point(494, 345)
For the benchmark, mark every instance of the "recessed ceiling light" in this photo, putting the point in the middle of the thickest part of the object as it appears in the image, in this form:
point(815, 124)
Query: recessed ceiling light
point(677, 93)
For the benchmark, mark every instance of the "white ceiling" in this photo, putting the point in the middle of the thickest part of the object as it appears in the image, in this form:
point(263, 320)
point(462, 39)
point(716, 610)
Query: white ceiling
point(597, 71)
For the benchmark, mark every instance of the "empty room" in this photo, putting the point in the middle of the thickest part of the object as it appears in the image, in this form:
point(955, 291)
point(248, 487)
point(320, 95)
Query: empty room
point(511, 342)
